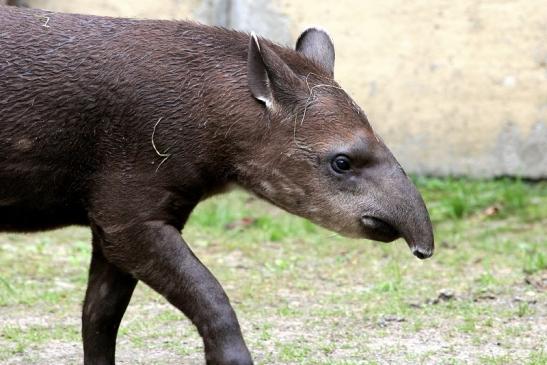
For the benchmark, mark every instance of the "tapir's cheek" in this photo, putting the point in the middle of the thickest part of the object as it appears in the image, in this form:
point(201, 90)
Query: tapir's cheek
point(335, 211)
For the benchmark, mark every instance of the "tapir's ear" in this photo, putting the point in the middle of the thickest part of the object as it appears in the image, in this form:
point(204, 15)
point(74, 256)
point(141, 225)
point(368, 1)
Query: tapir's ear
point(270, 79)
point(316, 45)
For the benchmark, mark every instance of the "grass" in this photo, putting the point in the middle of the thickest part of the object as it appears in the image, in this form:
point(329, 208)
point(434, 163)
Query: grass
point(306, 296)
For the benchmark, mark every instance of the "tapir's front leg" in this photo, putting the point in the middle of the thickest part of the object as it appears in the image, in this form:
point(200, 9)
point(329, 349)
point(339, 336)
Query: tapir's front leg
point(156, 254)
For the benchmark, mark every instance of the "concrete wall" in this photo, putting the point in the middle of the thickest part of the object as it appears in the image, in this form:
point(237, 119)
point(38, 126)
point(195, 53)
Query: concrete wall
point(454, 87)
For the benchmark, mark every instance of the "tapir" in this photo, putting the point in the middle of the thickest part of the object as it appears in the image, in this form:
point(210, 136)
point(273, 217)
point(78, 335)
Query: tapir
point(125, 125)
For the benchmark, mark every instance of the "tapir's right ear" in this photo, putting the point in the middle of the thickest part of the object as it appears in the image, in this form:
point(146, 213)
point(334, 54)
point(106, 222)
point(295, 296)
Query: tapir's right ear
point(269, 78)
point(317, 46)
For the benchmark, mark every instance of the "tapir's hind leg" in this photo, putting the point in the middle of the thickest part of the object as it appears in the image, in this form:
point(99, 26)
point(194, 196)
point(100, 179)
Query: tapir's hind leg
point(108, 293)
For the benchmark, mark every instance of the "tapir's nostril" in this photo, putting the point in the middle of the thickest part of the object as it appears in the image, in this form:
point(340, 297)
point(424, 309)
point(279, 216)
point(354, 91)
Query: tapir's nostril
point(422, 254)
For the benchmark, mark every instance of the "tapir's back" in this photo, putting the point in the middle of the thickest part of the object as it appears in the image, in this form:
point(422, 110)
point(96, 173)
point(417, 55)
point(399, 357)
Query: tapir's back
point(54, 65)
point(78, 92)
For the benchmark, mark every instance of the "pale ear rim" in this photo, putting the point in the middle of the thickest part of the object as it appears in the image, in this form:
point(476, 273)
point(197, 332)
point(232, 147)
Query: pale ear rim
point(257, 73)
point(255, 39)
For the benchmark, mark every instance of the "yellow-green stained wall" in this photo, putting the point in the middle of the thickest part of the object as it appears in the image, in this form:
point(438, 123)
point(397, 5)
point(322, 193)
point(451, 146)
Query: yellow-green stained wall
point(453, 87)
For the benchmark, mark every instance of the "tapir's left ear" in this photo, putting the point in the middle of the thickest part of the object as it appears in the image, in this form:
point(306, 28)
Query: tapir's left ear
point(318, 47)
point(269, 78)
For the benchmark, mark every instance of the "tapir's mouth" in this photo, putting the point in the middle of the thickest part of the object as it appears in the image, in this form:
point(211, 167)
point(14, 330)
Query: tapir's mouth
point(378, 229)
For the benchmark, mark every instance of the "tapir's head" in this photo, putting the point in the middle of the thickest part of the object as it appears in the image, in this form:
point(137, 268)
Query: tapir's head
point(318, 156)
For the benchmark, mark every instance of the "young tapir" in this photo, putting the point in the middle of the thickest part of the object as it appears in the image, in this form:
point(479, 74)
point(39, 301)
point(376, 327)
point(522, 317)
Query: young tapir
point(125, 125)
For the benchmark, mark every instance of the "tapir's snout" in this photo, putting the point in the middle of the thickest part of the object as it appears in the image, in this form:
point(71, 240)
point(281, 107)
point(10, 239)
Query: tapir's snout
point(399, 211)
point(422, 254)
point(415, 226)
point(411, 219)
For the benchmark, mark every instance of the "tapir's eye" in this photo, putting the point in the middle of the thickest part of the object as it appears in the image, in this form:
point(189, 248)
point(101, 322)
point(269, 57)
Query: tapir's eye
point(340, 164)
